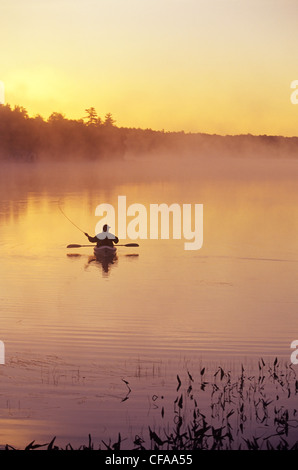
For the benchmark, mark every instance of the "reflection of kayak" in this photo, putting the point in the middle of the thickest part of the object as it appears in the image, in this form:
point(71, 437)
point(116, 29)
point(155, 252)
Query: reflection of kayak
point(105, 251)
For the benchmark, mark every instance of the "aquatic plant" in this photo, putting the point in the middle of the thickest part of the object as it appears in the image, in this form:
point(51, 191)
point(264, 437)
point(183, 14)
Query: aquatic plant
point(246, 412)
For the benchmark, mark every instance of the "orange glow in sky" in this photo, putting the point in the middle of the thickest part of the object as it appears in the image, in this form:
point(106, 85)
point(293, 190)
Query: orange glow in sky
point(216, 66)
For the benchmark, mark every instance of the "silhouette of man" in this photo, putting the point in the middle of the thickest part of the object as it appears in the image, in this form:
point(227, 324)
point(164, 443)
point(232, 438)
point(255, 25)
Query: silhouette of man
point(104, 238)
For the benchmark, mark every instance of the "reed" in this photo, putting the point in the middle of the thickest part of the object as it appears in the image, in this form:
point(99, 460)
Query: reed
point(244, 412)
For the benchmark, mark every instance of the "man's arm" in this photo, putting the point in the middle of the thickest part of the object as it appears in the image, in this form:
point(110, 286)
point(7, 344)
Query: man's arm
point(91, 239)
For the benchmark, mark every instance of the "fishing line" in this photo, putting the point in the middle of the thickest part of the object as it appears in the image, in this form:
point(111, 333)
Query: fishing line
point(69, 219)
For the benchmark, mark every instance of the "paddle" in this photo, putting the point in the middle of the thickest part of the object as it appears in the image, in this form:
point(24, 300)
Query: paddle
point(80, 246)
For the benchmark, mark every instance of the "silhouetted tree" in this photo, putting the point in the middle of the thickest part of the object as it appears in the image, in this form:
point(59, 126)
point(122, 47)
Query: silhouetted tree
point(109, 121)
point(21, 110)
point(38, 118)
point(56, 117)
point(92, 116)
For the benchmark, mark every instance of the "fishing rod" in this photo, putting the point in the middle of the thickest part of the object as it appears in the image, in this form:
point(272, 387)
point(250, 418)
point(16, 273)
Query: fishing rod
point(70, 220)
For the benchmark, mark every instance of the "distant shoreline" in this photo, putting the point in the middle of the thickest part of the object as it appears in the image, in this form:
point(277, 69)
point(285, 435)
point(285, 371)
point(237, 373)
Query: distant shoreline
point(32, 139)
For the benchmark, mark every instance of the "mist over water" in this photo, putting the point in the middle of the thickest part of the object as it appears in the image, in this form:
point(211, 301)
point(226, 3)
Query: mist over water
point(74, 327)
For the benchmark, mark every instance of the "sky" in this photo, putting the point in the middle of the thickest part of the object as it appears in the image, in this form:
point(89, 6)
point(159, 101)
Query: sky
point(215, 66)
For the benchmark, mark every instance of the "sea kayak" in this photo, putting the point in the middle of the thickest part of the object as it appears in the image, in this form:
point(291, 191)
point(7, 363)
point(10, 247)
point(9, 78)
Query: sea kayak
point(105, 251)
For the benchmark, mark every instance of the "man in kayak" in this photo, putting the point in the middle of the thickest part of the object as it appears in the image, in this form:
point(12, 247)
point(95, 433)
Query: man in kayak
point(104, 238)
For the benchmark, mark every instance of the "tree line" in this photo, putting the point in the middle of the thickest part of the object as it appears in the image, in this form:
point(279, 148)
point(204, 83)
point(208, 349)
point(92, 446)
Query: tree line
point(24, 138)
point(30, 139)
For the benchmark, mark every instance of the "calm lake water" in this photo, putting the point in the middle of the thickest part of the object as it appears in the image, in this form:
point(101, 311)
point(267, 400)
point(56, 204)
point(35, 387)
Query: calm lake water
point(75, 329)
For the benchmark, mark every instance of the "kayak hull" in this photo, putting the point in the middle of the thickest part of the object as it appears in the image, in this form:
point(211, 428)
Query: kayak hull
point(105, 251)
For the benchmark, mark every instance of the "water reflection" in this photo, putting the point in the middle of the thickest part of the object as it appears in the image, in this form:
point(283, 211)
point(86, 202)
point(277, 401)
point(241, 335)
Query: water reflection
point(106, 262)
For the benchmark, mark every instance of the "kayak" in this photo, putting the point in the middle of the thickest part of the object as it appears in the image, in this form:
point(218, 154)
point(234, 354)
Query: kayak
point(105, 251)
